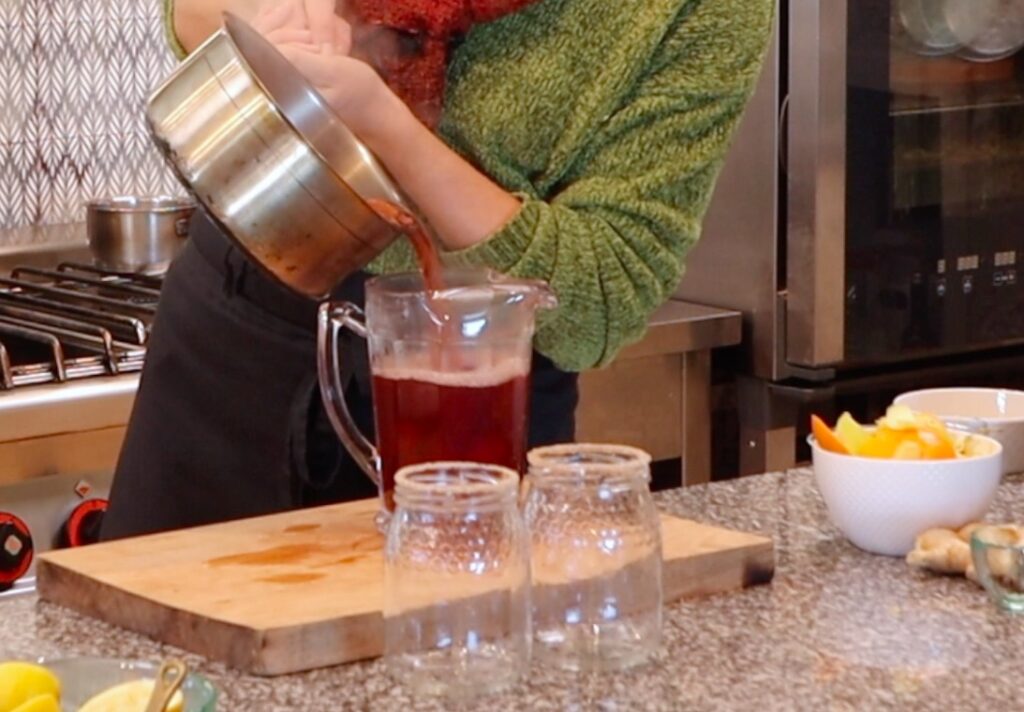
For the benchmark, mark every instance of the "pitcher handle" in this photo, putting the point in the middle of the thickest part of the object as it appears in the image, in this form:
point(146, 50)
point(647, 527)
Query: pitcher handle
point(331, 320)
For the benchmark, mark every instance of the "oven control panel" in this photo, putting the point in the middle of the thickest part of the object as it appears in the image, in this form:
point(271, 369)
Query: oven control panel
point(46, 513)
point(910, 304)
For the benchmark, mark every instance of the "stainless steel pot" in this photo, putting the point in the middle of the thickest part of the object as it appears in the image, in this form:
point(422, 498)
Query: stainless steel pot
point(269, 160)
point(138, 234)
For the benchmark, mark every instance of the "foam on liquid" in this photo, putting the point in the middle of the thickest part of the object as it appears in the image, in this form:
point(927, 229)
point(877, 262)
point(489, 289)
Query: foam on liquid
point(503, 372)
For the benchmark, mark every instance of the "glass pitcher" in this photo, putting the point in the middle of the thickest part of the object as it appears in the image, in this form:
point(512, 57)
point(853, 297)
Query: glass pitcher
point(450, 371)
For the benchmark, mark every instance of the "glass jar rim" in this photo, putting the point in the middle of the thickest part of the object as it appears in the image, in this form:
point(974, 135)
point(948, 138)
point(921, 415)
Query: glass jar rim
point(981, 538)
point(588, 461)
point(456, 484)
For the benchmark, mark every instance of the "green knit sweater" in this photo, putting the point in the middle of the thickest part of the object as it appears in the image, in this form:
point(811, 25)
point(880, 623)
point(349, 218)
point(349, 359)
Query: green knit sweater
point(610, 119)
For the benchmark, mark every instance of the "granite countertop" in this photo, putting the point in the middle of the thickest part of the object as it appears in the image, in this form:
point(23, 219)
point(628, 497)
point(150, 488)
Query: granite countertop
point(838, 629)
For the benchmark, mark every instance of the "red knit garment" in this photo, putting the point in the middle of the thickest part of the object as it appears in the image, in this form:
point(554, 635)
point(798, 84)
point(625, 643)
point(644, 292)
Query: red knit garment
point(419, 77)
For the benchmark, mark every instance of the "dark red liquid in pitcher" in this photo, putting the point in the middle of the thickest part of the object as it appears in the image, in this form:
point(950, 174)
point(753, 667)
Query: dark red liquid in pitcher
point(426, 414)
point(427, 417)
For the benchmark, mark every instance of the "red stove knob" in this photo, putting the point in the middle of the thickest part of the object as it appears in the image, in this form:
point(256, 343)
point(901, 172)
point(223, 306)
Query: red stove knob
point(16, 550)
point(83, 524)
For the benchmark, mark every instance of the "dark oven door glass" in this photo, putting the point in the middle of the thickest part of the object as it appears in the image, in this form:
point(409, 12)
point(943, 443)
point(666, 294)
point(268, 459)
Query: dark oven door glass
point(935, 177)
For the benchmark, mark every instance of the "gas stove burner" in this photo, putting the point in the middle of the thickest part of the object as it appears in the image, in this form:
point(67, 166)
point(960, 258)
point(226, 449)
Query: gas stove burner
point(152, 281)
point(75, 321)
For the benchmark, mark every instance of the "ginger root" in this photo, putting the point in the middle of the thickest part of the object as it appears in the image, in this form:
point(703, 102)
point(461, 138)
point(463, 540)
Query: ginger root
point(941, 551)
point(946, 551)
point(967, 530)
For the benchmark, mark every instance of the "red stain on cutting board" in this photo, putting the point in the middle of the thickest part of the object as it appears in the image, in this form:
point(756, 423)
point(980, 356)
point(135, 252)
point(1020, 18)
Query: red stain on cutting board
point(292, 578)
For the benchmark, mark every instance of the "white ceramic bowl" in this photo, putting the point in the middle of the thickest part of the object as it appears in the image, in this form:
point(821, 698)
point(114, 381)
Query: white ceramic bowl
point(882, 505)
point(999, 412)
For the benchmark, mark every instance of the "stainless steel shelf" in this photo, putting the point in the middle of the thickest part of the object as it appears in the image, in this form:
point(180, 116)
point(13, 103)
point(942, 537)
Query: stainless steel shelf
point(954, 108)
point(679, 327)
point(72, 407)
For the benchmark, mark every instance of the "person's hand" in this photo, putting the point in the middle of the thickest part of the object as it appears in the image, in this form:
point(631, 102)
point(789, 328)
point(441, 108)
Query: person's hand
point(318, 42)
point(305, 22)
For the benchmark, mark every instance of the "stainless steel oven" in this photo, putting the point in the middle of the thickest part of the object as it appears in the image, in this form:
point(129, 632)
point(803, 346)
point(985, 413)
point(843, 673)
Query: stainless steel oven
point(869, 221)
point(72, 342)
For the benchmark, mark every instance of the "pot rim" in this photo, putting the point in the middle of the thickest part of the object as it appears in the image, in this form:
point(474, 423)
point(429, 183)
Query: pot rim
point(140, 204)
point(236, 32)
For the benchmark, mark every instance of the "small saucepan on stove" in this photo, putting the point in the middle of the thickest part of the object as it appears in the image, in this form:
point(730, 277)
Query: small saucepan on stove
point(138, 234)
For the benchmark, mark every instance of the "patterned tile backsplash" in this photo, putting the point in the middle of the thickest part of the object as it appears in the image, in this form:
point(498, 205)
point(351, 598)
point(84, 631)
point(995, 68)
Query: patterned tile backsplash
point(74, 77)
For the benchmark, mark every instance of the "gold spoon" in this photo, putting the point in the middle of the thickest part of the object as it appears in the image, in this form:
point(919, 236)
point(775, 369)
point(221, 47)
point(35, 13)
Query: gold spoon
point(170, 677)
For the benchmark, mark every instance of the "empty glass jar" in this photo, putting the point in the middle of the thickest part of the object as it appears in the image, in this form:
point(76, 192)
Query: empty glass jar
point(457, 580)
point(998, 555)
point(595, 544)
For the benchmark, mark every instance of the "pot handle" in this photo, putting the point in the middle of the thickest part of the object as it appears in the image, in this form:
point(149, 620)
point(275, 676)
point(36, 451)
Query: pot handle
point(331, 320)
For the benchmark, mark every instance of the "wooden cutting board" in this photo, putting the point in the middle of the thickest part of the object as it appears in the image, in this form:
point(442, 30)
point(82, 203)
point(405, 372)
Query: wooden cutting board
point(303, 590)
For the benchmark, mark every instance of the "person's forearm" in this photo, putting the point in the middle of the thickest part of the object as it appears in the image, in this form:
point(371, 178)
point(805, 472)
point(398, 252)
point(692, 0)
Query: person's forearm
point(195, 20)
point(463, 205)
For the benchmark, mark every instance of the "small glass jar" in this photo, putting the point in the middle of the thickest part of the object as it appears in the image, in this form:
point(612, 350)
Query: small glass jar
point(998, 556)
point(457, 580)
point(596, 561)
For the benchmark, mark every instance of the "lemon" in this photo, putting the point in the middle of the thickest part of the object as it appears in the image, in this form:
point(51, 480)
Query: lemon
point(129, 697)
point(881, 444)
point(908, 450)
point(899, 417)
point(850, 433)
point(21, 682)
point(40, 703)
point(927, 421)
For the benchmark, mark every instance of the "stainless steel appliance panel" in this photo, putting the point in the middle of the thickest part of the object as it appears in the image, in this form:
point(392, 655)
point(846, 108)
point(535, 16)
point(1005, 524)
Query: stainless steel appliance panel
point(735, 265)
point(816, 182)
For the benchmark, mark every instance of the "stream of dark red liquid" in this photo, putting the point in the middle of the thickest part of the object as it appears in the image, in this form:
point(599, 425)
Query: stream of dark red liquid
point(433, 278)
point(408, 224)
point(443, 412)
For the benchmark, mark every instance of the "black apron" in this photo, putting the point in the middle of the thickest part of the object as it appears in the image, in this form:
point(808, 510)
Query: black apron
point(228, 421)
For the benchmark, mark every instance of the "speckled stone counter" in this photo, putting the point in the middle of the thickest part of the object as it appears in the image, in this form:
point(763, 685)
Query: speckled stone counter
point(838, 629)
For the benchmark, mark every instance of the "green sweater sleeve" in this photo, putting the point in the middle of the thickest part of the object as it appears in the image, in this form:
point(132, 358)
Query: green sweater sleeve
point(172, 37)
point(612, 238)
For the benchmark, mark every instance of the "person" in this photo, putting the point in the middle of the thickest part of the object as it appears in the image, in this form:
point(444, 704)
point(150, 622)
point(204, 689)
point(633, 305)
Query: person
point(573, 141)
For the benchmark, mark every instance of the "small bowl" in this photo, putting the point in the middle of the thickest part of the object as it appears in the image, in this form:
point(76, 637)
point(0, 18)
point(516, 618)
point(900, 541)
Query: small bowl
point(882, 505)
point(998, 411)
point(83, 678)
point(999, 567)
